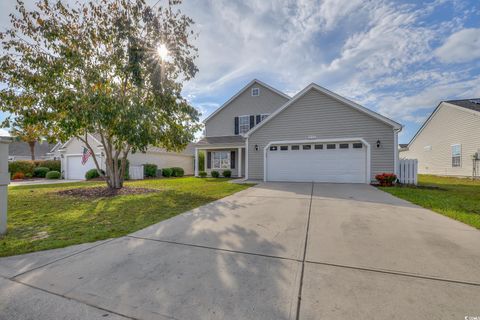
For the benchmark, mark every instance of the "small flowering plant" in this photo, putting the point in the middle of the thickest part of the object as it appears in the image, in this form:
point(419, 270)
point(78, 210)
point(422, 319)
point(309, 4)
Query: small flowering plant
point(386, 179)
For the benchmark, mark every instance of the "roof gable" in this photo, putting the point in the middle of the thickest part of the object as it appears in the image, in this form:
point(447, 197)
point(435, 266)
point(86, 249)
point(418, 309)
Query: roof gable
point(448, 104)
point(333, 95)
point(229, 101)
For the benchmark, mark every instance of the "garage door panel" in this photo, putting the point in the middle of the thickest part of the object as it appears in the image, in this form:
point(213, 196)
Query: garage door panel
point(328, 165)
point(75, 169)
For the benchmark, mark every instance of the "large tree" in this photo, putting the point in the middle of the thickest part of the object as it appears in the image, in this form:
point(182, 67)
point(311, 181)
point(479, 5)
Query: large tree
point(102, 67)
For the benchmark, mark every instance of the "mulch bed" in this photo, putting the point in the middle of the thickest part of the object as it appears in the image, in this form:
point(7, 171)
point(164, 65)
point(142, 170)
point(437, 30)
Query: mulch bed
point(103, 192)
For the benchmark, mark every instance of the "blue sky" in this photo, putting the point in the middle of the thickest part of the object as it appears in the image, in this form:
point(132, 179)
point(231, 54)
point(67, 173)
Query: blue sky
point(399, 58)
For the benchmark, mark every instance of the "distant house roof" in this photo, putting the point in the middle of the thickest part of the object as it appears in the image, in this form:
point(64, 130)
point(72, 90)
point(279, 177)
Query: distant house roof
point(20, 148)
point(472, 104)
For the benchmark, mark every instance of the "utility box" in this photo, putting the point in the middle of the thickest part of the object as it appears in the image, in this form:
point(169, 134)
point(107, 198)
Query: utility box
point(4, 182)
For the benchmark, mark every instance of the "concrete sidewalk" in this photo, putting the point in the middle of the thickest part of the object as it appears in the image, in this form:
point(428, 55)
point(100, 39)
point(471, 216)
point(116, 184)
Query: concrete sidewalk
point(347, 251)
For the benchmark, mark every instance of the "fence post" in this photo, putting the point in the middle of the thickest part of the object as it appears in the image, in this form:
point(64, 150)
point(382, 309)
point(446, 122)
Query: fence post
point(4, 182)
point(407, 171)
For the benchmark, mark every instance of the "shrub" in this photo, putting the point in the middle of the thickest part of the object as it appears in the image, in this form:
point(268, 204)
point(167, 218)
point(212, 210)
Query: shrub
point(215, 174)
point(202, 174)
point(40, 172)
point(177, 172)
point(21, 166)
point(167, 172)
point(53, 175)
point(18, 176)
point(28, 175)
point(92, 174)
point(150, 170)
point(53, 165)
point(386, 179)
point(227, 173)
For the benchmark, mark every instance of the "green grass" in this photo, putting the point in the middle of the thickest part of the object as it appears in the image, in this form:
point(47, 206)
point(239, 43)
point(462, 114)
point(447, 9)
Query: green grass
point(39, 219)
point(457, 198)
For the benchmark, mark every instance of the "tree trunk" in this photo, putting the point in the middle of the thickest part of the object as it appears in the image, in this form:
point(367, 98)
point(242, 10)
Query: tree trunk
point(31, 144)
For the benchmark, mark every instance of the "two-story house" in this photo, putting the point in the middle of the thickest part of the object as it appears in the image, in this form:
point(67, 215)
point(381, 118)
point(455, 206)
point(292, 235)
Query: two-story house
point(317, 135)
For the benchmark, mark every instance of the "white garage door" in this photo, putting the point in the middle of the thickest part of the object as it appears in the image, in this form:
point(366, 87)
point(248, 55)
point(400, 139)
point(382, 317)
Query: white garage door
point(318, 162)
point(75, 168)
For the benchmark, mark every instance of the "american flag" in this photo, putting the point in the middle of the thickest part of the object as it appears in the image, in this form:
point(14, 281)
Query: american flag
point(86, 154)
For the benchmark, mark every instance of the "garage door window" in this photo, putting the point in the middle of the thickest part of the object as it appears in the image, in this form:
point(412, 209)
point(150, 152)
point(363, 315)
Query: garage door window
point(331, 146)
point(343, 145)
point(295, 147)
point(283, 148)
point(273, 148)
point(357, 145)
point(319, 147)
point(307, 147)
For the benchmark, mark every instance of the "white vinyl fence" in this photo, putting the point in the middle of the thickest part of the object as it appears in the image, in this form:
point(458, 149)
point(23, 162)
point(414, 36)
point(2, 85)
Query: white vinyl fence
point(407, 171)
point(136, 172)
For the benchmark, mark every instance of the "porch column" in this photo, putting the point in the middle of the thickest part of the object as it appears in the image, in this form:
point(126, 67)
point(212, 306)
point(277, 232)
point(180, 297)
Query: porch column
point(4, 181)
point(239, 162)
point(196, 162)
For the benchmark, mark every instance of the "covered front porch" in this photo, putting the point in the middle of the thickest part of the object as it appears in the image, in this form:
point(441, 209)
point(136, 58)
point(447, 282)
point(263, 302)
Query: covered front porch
point(221, 154)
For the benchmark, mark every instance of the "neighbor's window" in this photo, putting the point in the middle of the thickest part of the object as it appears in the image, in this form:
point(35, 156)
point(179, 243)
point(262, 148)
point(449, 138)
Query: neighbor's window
point(243, 124)
point(221, 160)
point(331, 146)
point(343, 145)
point(357, 145)
point(456, 155)
point(255, 92)
point(295, 147)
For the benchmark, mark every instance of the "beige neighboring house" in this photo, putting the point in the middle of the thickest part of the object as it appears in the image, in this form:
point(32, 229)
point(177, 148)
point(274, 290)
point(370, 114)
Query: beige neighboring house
point(448, 140)
point(317, 135)
point(70, 154)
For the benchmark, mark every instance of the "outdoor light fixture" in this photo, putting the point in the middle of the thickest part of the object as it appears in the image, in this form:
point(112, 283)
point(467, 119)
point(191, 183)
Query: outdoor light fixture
point(378, 144)
point(256, 147)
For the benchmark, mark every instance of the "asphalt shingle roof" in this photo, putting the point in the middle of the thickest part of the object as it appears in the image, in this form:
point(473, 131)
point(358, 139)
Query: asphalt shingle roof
point(472, 104)
point(20, 148)
point(221, 140)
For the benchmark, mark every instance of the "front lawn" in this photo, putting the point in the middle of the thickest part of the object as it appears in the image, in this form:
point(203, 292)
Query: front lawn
point(457, 198)
point(39, 218)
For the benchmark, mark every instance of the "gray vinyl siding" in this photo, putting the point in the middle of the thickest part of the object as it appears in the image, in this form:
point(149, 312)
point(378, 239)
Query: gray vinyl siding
point(222, 124)
point(316, 114)
point(449, 125)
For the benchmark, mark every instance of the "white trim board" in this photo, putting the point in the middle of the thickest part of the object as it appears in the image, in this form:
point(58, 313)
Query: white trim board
point(242, 91)
point(333, 95)
point(365, 143)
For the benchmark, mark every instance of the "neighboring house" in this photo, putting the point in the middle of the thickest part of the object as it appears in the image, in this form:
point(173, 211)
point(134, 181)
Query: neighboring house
point(448, 140)
point(19, 150)
point(261, 133)
point(72, 167)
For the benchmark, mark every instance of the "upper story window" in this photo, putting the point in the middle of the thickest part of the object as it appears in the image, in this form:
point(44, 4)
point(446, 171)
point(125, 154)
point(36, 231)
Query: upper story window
point(456, 155)
point(255, 92)
point(260, 117)
point(243, 124)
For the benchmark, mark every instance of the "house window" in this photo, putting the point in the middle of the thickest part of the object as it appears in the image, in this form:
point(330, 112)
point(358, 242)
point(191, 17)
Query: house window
point(343, 145)
point(331, 146)
point(255, 92)
point(243, 124)
point(319, 147)
point(273, 148)
point(283, 148)
point(357, 145)
point(261, 117)
point(307, 147)
point(221, 160)
point(456, 155)
point(296, 147)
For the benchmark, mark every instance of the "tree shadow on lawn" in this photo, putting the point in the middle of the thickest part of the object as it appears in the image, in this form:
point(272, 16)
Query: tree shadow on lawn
point(62, 220)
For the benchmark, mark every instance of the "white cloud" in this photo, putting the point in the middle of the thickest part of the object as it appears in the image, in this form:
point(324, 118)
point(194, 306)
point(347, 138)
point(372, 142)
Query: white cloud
point(462, 46)
point(4, 133)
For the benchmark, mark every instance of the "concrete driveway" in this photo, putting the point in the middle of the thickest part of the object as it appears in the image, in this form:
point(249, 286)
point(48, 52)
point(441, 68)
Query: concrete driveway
point(274, 251)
